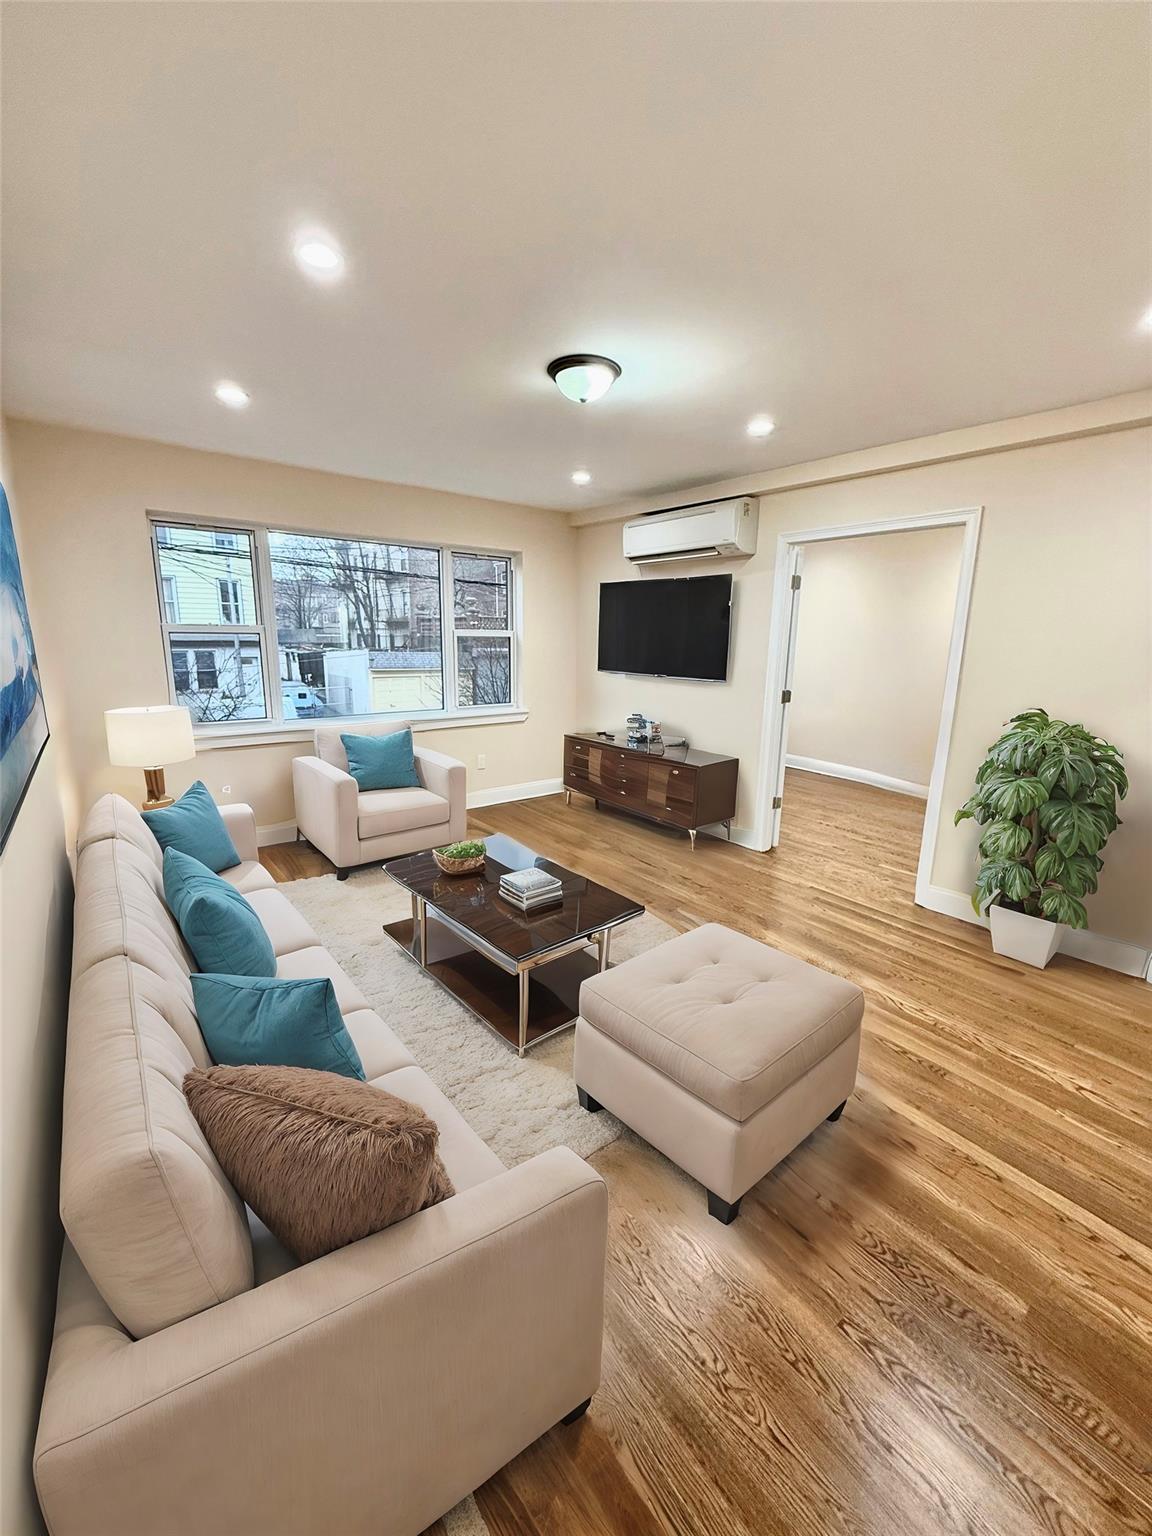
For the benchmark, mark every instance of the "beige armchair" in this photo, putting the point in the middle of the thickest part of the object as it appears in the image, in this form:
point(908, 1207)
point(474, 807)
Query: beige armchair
point(356, 827)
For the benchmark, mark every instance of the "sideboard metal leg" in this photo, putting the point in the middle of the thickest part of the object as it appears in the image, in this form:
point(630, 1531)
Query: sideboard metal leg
point(692, 835)
point(567, 797)
point(728, 829)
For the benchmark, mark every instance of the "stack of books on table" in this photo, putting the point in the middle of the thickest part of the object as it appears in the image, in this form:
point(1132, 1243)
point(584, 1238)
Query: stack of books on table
point(529, 889)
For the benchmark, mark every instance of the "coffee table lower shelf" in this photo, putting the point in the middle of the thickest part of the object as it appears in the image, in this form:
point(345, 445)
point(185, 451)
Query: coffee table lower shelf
point(493, 994)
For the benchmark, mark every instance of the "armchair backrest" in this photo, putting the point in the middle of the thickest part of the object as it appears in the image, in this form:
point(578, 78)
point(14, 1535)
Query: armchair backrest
point(329, 747)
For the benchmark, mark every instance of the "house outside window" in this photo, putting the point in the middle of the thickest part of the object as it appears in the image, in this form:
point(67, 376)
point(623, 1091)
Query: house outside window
point(267, 624)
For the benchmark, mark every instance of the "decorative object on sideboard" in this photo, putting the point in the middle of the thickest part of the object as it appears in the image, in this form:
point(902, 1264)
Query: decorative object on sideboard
point(23, 722)
point(150, 737)
point(682, 788)
point(1045, 799)
point(460, 858)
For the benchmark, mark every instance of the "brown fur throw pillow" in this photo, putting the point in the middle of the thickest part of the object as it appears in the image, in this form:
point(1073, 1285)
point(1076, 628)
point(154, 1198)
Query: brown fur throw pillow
point(323, 1160)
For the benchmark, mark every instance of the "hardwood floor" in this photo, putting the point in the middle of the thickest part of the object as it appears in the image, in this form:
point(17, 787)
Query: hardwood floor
point(936, 1315)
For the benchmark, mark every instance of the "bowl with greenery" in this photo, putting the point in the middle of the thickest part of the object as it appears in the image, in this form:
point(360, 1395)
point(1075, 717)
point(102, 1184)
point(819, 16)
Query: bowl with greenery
point(460, 858)
point(1045, 801)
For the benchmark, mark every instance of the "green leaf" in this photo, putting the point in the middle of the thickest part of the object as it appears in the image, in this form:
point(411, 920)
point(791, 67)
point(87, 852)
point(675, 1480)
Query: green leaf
point(1004, 840)
point(1015, 879)
point(1074, 828)
point(1079, 876)
point(1059, 907)
point(1016, 797)
point(1050, 863)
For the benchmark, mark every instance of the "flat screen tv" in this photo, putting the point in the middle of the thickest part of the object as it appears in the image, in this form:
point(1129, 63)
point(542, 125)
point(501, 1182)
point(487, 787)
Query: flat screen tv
point(672, 628)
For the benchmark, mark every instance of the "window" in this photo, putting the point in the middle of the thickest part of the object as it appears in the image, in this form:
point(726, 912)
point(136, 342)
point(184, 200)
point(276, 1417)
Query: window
point(482, 610)
point(265, 624)
point(208, 599)
point(230, 601)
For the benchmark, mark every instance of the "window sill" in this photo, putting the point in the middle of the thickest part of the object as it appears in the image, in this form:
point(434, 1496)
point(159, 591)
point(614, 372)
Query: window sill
point(267, 733)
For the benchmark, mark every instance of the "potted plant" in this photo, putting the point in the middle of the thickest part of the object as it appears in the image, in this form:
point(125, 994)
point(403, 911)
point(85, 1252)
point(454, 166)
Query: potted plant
point(460, 858)
point(1045, 798)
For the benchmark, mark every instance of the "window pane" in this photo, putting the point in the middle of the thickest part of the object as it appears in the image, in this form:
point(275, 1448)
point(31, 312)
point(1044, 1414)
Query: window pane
point(218, 677)
point(358, 626)
point(480, 591)
point(484, 669)
point(209, 579)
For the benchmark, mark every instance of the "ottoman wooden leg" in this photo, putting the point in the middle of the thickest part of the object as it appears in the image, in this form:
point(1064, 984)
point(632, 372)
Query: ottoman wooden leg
point(723, 1210)
point(593, 1106)
point(836, 1113)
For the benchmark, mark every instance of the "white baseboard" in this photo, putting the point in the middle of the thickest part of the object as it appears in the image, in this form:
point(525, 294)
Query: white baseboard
point(530, 791)
point(744, 836)
point(278, 832)
point(1080, 943)
point(860, 775)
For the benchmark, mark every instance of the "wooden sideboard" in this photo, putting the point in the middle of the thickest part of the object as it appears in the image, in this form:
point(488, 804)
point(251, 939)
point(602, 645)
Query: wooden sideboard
point(680, 788)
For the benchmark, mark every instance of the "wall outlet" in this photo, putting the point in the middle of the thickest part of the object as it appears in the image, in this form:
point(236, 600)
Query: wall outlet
point(481, 760)
point(225, 789)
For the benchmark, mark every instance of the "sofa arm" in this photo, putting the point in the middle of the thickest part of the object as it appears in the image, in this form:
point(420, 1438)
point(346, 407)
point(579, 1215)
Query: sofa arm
point(367, 1392)
point(241, 823)
point(447, 777)
point(327, 809)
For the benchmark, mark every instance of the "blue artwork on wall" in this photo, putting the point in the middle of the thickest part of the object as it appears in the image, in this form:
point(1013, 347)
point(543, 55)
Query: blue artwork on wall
point(23, 722)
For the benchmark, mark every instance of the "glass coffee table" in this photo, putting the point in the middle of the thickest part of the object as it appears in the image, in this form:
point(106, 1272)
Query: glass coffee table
point(518, 972)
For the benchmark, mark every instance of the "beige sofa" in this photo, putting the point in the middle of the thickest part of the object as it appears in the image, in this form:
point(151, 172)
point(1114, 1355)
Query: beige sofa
point(359, 827)
point(203, 1384)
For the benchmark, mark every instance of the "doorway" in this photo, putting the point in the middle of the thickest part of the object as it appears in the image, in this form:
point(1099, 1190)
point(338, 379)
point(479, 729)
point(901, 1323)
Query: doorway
point(841, 722)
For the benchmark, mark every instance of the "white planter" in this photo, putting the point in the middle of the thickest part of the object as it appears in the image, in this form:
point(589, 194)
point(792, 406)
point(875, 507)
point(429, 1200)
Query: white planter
point(1020, 937)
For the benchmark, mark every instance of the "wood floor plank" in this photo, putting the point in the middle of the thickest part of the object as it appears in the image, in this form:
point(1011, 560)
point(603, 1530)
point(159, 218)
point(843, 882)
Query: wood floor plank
point(935, 1316)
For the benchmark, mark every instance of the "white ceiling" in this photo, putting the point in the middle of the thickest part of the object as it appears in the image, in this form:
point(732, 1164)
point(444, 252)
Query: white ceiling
point(871, 222)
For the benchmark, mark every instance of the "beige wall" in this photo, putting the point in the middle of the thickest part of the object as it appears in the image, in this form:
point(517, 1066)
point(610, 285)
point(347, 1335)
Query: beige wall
point(875, 619)
point(1059, 618)
point(85, 497)
point(35, 939)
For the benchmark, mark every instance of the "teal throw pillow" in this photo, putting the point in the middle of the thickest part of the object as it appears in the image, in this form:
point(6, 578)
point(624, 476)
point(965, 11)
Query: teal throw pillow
point(382, 762)
point(219, 926)
point(258, 1021)
point(195, 826)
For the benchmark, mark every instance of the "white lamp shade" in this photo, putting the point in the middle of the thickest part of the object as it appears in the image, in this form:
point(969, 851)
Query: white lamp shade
point(150, 737)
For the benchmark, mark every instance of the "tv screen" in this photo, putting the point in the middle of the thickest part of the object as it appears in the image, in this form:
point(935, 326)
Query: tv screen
point(674, 628)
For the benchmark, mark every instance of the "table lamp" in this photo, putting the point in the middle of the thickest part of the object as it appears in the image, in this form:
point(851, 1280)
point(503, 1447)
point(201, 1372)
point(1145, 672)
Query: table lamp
point(150, 738)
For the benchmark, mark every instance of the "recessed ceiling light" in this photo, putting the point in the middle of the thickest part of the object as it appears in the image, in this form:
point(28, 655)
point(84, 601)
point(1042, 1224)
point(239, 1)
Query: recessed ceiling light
point(583, 377)
point(760, 426)
point(319, 257)
point(581, 477)
point(1146, 320)
point(231, 395)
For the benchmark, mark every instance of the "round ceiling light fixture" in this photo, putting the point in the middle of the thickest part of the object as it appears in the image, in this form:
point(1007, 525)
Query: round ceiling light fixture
point(233, 395)
point(319, 256)
point(583, 376)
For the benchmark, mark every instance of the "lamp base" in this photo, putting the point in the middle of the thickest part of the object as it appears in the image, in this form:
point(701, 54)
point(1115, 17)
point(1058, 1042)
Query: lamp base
point(158, 796)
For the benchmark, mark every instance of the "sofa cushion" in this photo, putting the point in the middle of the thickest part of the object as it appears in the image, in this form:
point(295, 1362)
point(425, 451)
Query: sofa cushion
point(154, 1220)
point(318, 962)
point(323, 1161)
point(266, 1021)
point(120, 910)
point(468, 1159)
point(379, 1049)
point(248, 876)
point(382, 762)
point(724, 1016)
point(218, 925)
point(382, 811)
point(114, 817)
point(282, 923)
point(195, 826)
point(330, 747)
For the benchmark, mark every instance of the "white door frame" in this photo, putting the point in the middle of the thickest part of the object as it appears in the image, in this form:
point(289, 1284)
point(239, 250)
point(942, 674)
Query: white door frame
point(773, 733)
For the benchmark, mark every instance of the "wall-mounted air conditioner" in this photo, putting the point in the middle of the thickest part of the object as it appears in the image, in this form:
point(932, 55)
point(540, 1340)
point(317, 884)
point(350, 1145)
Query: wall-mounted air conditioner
point(720, 530)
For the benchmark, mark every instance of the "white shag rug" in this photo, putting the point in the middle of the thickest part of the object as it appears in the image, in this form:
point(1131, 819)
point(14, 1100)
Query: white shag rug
point(519, 1107)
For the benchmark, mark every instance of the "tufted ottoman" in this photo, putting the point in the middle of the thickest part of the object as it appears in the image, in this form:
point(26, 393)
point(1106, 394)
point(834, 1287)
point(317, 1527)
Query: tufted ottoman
point(719, 1051)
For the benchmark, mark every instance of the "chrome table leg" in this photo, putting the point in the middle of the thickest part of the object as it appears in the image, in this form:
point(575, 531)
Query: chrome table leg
point(603, 944)
point(422, 928)
point(524, 981)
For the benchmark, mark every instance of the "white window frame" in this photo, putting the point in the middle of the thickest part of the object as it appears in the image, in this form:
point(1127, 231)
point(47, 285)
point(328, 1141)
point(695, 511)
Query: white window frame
point(263, 629)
